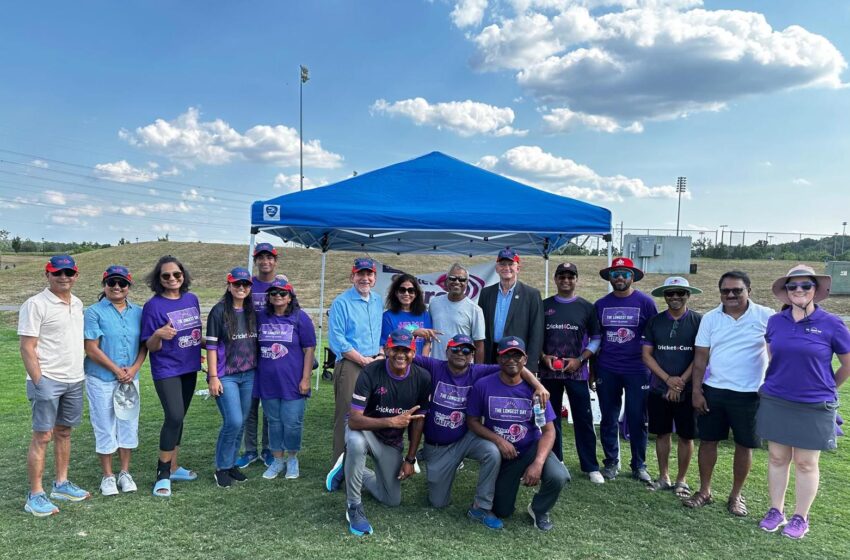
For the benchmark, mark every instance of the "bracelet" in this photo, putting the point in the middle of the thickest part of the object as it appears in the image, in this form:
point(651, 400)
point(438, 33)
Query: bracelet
point(410, 460)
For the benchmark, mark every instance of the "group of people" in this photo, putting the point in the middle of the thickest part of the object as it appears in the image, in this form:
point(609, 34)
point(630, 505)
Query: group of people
point(483, 382)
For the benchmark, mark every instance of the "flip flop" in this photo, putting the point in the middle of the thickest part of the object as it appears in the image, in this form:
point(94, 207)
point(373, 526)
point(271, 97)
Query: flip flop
point(183, 474)
point(659, 485)
point(162, 488)
point(682, 490)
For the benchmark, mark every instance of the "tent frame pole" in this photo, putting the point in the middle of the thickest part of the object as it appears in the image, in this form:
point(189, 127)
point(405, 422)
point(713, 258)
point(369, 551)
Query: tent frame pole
point(610, 260)
point(321, 338)
point(251, 249)
point(546, 273)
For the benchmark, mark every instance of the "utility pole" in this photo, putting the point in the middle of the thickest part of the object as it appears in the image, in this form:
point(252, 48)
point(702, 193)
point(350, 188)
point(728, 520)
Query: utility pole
point(681, 186)
point(843, 234)
point(305, 75)
point(722, 232)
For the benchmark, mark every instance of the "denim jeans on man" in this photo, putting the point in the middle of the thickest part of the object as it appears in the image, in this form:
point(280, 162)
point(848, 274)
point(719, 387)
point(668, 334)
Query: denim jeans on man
point(234, 403)
point(609, 387)
point(286, 423)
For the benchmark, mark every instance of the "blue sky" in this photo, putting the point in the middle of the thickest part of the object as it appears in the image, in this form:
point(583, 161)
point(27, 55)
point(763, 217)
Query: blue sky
point(172, 117)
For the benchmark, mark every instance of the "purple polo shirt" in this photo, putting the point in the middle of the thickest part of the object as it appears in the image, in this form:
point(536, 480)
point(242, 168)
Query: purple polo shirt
point(507, 410)
point(800, 367)
point(623, 320)
point(181, 354)
point(446, 420)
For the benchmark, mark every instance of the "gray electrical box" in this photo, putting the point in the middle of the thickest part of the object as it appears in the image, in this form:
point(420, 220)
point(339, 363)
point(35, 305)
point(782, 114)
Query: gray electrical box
point(840, 272)
point(660, 254)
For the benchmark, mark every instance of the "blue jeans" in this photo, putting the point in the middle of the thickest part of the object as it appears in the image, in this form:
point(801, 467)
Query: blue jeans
point(286, 422)
point(609, 387)
point(234, 403)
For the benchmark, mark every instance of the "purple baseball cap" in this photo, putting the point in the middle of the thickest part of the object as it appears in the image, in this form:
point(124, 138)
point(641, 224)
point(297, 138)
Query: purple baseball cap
point(460, 340)
point(118, 271)
point(363, 263)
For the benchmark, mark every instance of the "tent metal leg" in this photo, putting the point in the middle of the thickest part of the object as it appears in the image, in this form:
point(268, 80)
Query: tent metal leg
point(251, 250)
point(321, 339)
point(610, 259)
point(546, 272)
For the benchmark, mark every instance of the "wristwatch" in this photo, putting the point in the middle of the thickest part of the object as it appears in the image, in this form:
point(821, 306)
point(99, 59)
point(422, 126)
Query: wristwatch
point(410, 460)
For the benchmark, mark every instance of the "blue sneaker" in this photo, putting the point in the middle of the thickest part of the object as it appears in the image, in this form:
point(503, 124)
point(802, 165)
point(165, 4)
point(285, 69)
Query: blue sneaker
point(486, 517)
point(292, 468)
point(39, 505)
point(68, 491)
point(357, 522)
point(336, 475)
point(246, 459)
point(267, 457)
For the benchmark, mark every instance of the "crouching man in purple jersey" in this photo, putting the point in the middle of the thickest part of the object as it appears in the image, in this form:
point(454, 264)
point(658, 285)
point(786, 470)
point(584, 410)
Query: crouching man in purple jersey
point(505, 403)
point(447, 441)
point(390, 396)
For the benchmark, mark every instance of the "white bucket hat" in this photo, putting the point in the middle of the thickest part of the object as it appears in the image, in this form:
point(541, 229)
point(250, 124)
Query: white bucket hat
point(675, 282)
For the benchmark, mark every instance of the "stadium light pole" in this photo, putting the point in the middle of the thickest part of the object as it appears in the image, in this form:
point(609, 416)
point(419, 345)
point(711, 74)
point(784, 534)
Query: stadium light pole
point(681, 186)
point(305, 75)
point(843, 234)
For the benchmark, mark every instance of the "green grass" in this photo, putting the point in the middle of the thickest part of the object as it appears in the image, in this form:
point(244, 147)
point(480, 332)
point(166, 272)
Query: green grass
point(298, 519)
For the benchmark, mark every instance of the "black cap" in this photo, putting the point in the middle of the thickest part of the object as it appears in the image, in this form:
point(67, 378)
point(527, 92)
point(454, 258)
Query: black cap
point(563, 268)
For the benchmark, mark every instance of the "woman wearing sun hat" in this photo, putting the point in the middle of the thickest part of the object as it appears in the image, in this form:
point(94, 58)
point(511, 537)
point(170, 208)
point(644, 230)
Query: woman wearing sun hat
point(799, 396)
point(287, 340)
point(232, 361)
point(114, 357)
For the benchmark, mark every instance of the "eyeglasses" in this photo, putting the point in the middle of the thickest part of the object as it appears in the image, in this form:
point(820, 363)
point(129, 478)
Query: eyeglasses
point(169, 275)
point(733, 291)
point(675, 293)
point(616, 274)
point(512, 356)
point(402, 291)
point(805, 286)
point(460, 279)
point(465, 350)
point(120, 282)
point(278, 293)
point(65, 271)
point(241, 284)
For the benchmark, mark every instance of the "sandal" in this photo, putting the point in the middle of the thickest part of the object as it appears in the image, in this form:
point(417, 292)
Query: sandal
point(183, 474)
point(737, 506)
point(698, 500)
point(659, 485)
point(162, 488)
point(682, 490)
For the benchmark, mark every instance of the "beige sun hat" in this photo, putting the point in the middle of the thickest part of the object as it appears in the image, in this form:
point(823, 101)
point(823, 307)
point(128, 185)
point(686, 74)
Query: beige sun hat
point(824, 283)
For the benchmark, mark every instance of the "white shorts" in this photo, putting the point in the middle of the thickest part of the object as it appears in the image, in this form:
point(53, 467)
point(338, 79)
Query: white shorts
point(110, 433)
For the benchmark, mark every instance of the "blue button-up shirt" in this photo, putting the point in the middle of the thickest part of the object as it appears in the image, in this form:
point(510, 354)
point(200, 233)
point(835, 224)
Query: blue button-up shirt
point(503, 305)
point(119, 334)
point(355, 323)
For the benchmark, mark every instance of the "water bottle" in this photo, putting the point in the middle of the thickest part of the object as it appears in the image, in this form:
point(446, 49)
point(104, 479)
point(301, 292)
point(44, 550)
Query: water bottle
point(539, 414)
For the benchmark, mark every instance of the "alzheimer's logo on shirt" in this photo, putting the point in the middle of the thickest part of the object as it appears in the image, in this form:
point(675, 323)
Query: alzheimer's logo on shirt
point(509, 409)
point(190, 340)
point(454, 420)
point(275, 332)
point(274, 352)
point(620, 336)
point(621, 317)
point(451, 396)
point(184, 319)
point(513, 433)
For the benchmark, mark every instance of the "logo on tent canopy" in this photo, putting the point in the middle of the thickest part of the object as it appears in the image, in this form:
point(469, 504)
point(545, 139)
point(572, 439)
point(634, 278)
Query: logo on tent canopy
point(271, 212)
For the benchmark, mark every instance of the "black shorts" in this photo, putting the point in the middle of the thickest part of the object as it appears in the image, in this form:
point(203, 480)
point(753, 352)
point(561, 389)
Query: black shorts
point(663, 413)
point(729, 409)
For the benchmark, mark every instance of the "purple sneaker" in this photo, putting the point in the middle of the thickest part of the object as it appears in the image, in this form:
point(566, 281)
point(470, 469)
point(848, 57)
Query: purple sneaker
point(773, 520)
point(797, 527)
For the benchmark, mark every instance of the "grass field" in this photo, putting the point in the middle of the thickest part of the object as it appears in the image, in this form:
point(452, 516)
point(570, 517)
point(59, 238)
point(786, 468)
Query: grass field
point(297, 519)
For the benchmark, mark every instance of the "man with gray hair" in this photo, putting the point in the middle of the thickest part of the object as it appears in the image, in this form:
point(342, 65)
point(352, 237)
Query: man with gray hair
point(454, 313)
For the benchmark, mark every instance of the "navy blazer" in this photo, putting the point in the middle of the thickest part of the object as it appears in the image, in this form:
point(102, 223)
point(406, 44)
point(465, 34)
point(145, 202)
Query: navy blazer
point(525, 320)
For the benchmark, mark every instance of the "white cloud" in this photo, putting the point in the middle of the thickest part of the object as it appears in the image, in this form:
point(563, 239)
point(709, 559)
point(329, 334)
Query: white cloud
point(466, 118)
point(767, 164)
point(802, 182)
point(468, 12)
point(190, 141)
point(75, 215)
point(9, 205)
point(290, 183)
point(55, 197)
point(123, 172)
point(614, 64)
point(39, 163)
point(564, 176)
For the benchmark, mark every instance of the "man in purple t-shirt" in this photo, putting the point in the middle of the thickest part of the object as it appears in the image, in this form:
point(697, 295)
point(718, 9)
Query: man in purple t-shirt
point(623, 314)
point(500, 409)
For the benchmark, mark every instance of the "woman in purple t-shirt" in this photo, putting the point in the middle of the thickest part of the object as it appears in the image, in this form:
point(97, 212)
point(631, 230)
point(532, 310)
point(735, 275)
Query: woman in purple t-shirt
point(799, 396)
point(287, 340)
point(171, 330)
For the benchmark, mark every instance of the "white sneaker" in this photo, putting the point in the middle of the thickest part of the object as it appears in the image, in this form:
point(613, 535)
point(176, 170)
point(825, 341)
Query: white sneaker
point(126, 482)
point(596, 477)
point(108, 486)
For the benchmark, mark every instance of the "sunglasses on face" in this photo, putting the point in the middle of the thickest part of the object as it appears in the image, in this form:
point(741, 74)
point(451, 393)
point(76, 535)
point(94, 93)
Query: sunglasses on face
point(460, 279)
point(120, 282)
point(65, 271)
point(616, 274)
point(465, 350)
point(733, 291)
point(565, 277)
point(169, 275)
point(402, 291)
point(278, 293)
point(241, 284)
point(511, 356)
point(676, 293)
point(805, 286)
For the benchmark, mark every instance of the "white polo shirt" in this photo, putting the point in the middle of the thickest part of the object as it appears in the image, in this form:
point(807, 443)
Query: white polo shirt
point(738, 351)
point(59, 329)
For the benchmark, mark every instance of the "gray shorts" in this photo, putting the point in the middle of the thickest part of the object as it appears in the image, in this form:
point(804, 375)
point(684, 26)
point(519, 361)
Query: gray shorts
point(55, 404)
point(795, 424)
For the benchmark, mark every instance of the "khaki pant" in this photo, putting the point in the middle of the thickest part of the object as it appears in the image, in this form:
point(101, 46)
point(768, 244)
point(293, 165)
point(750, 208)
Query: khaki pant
point(345, 377)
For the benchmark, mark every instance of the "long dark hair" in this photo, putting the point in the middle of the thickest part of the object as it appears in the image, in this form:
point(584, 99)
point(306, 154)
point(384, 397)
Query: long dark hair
point(292, 309)
point(231, 322)
point(153, 282)
point(417, 306)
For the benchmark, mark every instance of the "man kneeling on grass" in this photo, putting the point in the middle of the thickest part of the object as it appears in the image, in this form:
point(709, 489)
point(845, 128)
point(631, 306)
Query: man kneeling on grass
point(505, 402)
point(389, 396)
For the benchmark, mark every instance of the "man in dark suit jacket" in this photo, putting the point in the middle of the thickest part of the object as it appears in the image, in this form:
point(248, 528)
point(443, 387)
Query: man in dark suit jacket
point(511, 308)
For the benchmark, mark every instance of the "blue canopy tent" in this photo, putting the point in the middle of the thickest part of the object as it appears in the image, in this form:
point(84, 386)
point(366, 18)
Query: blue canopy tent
point(432, 204)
